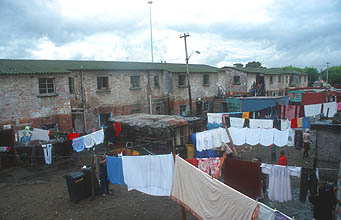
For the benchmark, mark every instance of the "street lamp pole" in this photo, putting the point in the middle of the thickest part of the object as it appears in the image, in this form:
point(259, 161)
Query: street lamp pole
point(151, 30)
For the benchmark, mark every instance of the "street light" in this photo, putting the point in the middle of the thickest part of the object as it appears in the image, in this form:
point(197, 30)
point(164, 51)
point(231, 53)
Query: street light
point(151, 30)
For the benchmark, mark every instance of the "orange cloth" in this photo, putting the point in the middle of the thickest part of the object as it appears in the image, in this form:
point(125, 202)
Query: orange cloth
point(246, 115)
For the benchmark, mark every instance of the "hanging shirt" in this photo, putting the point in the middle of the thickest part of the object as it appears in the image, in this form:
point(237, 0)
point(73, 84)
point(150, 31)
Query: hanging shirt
point(285, 124)
point(214, 118)
point(78, 144)
point(279, 181)
point(305, 122)
point(208, 198)
point(283, 161)
point(294, 123)
point(40, 134)
point(238, 135)
point(237, 122)
point(312, 110)
point(299, 122)
point(152, 175)
point(194, 162)
point(253, 136)
point(281, 137)
point(291, 138)
point(267, 136)
point(332, 106)
point(47, 153)
point(114, 170)
point(71, 136)
point(98, 137)
point(88, 141)
point(261, 123)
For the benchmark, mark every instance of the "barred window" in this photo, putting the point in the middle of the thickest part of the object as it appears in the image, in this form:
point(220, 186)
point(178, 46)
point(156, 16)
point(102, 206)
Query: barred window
point(46, 86)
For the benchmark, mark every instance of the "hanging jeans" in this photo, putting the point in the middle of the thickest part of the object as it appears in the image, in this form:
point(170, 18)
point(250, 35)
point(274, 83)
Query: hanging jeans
point(308, 182)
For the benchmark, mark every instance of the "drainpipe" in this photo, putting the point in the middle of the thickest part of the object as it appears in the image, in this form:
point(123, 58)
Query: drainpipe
point(149, 94)
point(82, 95)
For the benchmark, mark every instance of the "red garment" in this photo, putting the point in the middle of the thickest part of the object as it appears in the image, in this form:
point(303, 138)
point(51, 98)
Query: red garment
point(244, 176)
point(118, 128)
point(283, 161)
point(294, 123)
point(194, 162)
point(71, 136)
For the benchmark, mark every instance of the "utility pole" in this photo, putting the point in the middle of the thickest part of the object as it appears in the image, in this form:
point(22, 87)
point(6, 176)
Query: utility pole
point(188, 80)
point(327, 74)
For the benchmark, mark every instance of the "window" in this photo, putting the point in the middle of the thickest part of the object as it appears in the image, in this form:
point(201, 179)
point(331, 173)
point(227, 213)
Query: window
point(206, 79)
point(71, 85)
point(156, 81)
point(206, 106)
point(305, 78)
point(279, 79)
point(299, 79)
point(286, 78)
point(271, 80)
point(103, 83)
point(104, 118)
point(46, 86)
point(135, 81)
point(182, 80)
point(183, 110)
point(236, 80)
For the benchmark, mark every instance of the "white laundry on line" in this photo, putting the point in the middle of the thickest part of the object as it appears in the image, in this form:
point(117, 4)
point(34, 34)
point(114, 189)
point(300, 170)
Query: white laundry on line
point(237, 122)
point(151, 174)
point(261, 123)
point(238, 135)
point(253, 136)
point(267, 136)
point(281, 137)
point(332, 106)
point(47, 153)
point(312, 110)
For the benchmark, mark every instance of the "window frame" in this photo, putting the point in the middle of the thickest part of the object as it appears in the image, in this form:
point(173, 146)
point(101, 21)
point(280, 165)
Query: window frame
point(156, 81)
point(286, 79)
point(135, 82)
point(206, 80)
point(72, 85)
point(48, 90)
point(271, 80)
point(183, 112)
point(100, 80)
point(206, 107)
point(236, 82)
point(182, 80)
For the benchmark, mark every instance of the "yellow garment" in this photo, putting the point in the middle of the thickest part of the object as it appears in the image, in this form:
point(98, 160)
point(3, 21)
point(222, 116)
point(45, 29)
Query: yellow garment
point(190, 151)
point(299, 122)
point(246, 115)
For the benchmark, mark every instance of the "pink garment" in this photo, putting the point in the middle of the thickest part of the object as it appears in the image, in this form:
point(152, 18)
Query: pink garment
point(339, 106)
point(292, 111)
point(209, 165)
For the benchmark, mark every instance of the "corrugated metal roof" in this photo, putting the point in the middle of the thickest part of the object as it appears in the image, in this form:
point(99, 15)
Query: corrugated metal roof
point(267, 71)
point(9, 67)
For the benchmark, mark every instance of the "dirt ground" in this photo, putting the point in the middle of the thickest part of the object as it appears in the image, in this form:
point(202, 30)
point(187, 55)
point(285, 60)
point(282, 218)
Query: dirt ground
point(40, 192)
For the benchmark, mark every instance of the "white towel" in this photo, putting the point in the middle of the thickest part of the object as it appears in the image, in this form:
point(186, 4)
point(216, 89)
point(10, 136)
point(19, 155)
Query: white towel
point(261, 123)
point(332, 106)
point(237, 122)
point(312, 110)
point(210, 139)
point(291, 138)
point(152, 175)
point(252, 136)
point(98, 137)
point(281, 137)
point(40, 134)
point(214, 118)
point(89, 141)
point(285, 124)
point(238, 135)
point(267, 136)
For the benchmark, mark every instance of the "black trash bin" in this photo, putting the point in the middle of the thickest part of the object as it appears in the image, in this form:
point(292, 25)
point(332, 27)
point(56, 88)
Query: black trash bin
point(87, 172)
point(76, 185)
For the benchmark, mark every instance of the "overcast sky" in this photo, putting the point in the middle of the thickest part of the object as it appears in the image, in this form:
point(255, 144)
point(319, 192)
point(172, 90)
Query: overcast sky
point(274, 32)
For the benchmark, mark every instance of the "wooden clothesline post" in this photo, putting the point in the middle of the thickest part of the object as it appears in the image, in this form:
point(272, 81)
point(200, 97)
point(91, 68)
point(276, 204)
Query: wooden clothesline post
point(183, 212)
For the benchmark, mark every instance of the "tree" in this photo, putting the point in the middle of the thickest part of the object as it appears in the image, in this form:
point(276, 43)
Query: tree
point(334, 75)
point(253, 64)
point(312, 72)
